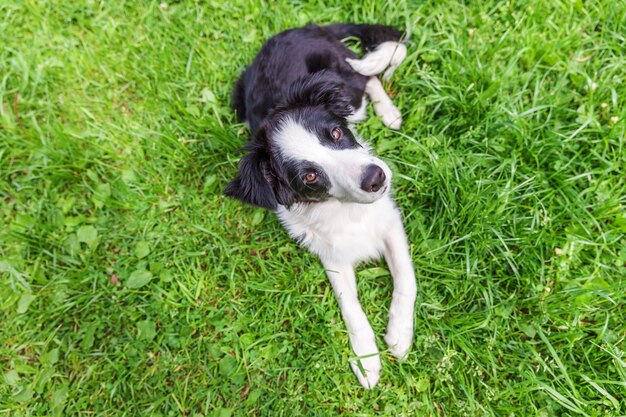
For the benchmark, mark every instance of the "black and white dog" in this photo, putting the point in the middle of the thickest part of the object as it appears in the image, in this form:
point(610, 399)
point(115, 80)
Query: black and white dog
point(300, 97)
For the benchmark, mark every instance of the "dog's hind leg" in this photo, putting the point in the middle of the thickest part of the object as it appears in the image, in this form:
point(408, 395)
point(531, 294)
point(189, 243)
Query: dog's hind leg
point(386, 57)
point(382, 46)
point(383, 106)
point(367, 365)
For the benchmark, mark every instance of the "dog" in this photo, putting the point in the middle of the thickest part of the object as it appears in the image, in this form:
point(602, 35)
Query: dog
point(300, 98)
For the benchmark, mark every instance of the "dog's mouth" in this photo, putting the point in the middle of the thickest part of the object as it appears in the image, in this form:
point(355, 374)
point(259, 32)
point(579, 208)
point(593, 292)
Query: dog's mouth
point(373, 197)
point(381, 193)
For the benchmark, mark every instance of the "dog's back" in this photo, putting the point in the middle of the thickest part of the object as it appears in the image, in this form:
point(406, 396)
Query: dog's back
point(296, 53)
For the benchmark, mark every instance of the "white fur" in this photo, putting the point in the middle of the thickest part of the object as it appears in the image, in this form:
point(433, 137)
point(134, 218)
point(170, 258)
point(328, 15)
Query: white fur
point(387, 55)
point(344, 167)
point(359, 114)
point(383, 106)
point(399, 54)
point(343, 233)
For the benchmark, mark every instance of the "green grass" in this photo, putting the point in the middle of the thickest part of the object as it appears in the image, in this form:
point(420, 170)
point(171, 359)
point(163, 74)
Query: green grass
point(130, 286)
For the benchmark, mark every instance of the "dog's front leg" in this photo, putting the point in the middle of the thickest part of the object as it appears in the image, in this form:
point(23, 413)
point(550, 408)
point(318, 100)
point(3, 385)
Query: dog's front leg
point(400, 328)
point(367, 365)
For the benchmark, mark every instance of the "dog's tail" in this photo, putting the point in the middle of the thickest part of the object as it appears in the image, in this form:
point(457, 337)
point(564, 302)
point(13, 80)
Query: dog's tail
point(370, 35)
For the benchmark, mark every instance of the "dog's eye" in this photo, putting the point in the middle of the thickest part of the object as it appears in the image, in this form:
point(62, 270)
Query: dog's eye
point(310, 177)
point(336, 134)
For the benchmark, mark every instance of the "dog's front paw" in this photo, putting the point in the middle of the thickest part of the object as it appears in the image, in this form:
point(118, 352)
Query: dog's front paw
point(399, 338)
point(366, 366)
point(389, 114)
point(367, 369)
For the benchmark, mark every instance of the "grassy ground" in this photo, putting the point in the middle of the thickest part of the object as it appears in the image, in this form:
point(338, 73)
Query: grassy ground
point(130, 286)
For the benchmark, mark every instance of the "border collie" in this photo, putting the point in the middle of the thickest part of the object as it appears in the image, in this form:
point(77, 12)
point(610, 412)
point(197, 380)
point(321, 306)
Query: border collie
point(304, 161)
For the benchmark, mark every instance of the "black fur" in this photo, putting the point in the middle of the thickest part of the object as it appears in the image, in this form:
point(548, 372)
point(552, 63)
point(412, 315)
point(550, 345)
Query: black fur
point(301, 73)
point(323, 88)
point(315, 192)
point(370, 36)
point(321, 122)
point(297, 53)
point(253, 183)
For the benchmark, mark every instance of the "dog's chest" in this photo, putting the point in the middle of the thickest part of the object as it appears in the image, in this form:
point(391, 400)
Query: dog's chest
point(346, 232)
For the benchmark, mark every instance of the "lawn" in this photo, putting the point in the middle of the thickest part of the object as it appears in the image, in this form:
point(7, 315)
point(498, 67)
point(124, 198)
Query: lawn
point(129, 285)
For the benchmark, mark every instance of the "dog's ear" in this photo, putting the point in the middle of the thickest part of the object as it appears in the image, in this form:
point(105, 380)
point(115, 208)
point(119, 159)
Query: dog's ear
point(261, 181)
point(323, 88)
point(253, 183)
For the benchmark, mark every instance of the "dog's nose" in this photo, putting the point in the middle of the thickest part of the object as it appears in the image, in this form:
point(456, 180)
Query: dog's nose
point(373, 178)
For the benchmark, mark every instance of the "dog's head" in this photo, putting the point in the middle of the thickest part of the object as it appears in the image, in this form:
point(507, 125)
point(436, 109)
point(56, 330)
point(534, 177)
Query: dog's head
point(305, 151)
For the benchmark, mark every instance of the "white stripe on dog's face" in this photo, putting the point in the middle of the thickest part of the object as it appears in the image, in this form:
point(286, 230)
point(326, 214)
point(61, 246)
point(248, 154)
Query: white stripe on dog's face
point(344, 168)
